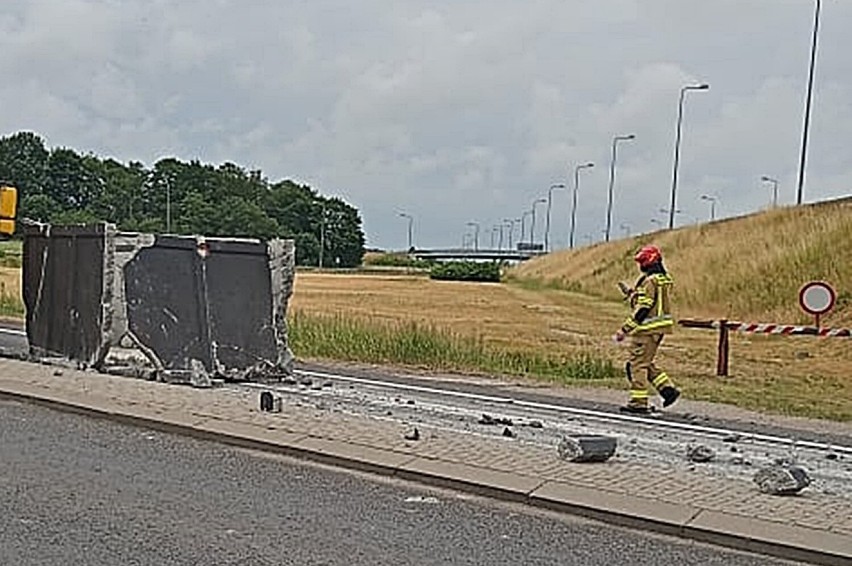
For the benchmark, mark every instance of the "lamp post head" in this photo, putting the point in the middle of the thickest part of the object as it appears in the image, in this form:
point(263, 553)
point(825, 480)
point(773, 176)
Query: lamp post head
point(626, 138)
point(703, 86)
point(558, 186)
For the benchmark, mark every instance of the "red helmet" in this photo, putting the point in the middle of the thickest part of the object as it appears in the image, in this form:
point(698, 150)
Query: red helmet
point(648, 255)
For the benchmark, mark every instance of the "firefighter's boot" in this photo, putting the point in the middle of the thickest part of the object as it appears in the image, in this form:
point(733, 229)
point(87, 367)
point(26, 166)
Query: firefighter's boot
point(669, 395)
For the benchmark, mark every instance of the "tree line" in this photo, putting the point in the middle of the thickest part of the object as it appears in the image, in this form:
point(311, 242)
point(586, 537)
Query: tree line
point(61, 186)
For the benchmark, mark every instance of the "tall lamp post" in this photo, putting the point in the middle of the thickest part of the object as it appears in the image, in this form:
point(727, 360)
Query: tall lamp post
point(712, 200)
point(511, 223)
point(774, 182)
point(322, 234)
point(547, 222)
point(808, 99)
point(410, 226)
point(524, 223)
point(476, 235)
point(532, 225)
point(683, 92)
point(615, 141)
point(576, 190)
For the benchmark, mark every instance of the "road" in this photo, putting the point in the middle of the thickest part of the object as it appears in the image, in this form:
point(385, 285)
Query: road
point(77, 490)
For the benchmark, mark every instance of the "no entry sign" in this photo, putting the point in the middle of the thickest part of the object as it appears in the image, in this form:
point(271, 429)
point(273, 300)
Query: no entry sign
point(817, 298)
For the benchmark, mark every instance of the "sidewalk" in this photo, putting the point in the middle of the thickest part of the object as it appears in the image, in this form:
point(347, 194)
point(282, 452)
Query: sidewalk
point(810, 527)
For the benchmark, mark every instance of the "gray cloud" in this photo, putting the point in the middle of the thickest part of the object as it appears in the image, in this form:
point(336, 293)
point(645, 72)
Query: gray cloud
point(451, 111)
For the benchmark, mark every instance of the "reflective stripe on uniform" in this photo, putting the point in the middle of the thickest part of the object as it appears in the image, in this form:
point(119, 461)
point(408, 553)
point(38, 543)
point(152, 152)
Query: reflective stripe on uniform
point(639, 394)
point(660, 380)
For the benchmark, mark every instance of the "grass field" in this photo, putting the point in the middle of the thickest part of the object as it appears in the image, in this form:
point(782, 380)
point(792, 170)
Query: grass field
point(794, 376)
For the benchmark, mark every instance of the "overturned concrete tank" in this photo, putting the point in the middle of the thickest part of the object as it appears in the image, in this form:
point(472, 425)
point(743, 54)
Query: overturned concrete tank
point(195, 308)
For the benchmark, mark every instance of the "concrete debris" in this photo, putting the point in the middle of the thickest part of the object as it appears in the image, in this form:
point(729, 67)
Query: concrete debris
point(700, 454)
point(507, 432)
point(733, 438)
point(270, 403)
point(587, 448)
point(412, 435)
point(832, 456)
point(535, 424)
point(782, 480)
point(487, 419)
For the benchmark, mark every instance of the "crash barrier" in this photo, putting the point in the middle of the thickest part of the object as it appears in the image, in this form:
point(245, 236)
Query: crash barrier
point(195, 308)
point(725, 327)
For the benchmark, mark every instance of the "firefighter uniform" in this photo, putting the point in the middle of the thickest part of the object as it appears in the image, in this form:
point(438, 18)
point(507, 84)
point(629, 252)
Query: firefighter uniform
point(650, 322)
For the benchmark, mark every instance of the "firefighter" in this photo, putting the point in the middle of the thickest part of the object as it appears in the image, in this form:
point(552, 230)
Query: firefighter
point(650, 322)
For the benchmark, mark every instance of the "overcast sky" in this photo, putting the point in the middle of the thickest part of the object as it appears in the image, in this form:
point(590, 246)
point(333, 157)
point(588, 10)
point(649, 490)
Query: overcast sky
point(451, 110)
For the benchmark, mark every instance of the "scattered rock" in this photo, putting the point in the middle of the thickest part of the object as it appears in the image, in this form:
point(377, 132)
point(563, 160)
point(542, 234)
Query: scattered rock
point(587, 448)
point(832, 456)
point(785, 461)
point(389, 413)
point(507, 432)
point(487, 419)
point(328, 384)
point(700, 453)
point(410, 401)
point(58, 373)
point(733, 438)
point(306, 382)
point(535, 424)
point(412, 435)
point(289, 381)
point(802, 355)
point(782, 480)
point(734, 449)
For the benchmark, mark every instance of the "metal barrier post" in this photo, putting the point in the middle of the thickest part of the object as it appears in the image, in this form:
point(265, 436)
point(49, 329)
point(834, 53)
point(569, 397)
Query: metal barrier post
point(724, 349)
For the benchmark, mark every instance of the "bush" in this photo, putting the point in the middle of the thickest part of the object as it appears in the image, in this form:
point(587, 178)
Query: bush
point(396, 260)
point(466, 271)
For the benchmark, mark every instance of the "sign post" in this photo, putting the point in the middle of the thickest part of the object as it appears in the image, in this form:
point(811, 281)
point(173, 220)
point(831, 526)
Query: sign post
point(817, 298)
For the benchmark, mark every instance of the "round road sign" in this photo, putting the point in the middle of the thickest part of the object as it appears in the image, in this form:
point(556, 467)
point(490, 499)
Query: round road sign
point(817, 297)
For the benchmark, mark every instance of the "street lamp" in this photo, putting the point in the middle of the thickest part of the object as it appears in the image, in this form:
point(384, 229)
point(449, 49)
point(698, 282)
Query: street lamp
point(683, 91)
point(500, 241)
point(712, 200)
point(807, 120)
point(523, 223)
point(322, 234)
point(410, 225)
point(774, 189)
point(476, 236)
point(576, 189)
point(168, 206)
point(532, 225)
point(615, 141)
point(547, 222)
point(511, 222)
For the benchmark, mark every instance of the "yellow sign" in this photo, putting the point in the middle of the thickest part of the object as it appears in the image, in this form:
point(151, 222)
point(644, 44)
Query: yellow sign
point(8, 209)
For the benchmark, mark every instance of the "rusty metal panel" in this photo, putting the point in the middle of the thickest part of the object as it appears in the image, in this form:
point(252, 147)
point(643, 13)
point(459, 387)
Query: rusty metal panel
point(63, 290)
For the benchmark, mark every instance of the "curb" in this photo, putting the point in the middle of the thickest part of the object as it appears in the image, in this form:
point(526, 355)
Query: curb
point(735, 532)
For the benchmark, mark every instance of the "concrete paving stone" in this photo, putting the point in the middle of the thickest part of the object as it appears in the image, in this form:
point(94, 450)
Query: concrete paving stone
point(365, 458)
point(718, 527)
point(631, 511)
point(483, 480)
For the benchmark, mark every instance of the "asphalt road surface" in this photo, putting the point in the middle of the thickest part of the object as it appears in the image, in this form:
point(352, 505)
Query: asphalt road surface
point(77, 490)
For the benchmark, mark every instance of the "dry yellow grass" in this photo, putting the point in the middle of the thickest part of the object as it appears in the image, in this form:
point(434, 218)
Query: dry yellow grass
point(767, 373)
point(741, 268)
point(10, 280)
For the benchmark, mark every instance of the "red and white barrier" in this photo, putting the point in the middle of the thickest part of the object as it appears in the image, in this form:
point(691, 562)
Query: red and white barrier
point(784, 329)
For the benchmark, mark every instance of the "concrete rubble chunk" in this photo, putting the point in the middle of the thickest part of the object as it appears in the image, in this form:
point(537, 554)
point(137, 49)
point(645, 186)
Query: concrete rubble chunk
point(777, 479)
point(700, 453)
point(587, 448)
